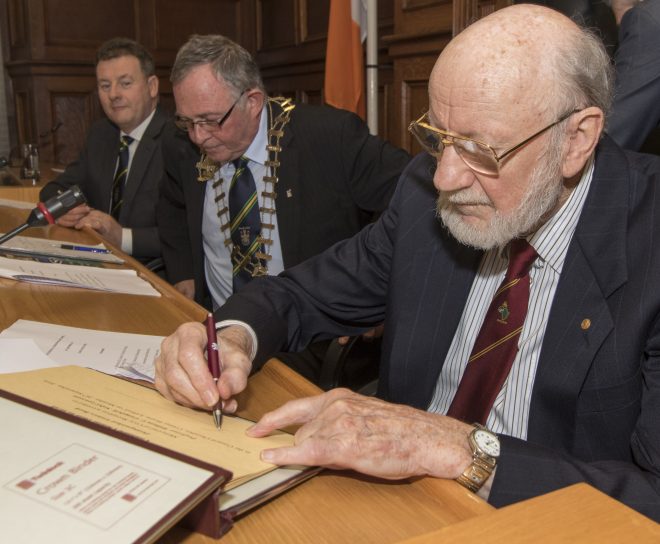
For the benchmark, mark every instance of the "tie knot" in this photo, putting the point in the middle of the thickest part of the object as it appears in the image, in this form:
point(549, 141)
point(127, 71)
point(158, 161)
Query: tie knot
point(125, 141)
point(521, 257)
point(240, 163)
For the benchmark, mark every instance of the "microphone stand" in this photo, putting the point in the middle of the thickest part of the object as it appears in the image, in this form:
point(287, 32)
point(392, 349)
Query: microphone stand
point(13, 233)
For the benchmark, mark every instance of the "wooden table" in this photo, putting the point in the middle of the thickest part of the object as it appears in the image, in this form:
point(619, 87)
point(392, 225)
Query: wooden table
point(13, 187)
point(340, 506)
point(333, 506)
point(578, 513)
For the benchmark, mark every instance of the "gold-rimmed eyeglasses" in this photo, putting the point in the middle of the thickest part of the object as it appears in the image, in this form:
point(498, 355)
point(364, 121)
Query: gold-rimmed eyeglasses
point(209, 125)
point(478, 156)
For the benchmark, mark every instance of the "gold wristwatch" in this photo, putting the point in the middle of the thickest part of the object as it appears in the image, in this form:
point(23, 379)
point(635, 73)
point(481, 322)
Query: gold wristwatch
point(485, 448)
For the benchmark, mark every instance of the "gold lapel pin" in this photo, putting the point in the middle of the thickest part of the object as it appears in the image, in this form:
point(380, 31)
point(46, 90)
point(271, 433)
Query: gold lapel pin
point(586, 323)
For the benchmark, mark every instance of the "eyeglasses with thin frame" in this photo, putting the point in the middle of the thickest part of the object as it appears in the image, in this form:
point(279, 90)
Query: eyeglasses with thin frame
point(209, 125)
point(479, 156)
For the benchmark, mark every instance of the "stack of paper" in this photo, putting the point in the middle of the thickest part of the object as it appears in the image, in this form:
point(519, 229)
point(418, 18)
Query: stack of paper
point(85, 277)
point(29, 247)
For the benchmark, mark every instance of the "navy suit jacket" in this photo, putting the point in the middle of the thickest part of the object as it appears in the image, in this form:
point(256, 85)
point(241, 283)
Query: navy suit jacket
point(595, 407)
point(94, 172)
point(636, 108)
point(332, 178)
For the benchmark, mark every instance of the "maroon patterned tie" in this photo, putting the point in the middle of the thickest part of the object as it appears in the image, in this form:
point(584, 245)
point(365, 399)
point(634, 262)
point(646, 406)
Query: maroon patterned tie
point(497, 343)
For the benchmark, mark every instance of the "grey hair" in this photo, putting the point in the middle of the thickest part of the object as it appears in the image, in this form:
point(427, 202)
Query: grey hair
point(585, 74)
point(230, 62)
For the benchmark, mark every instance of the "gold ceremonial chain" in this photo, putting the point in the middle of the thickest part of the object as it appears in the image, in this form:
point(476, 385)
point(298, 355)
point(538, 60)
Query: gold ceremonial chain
point(206, 168)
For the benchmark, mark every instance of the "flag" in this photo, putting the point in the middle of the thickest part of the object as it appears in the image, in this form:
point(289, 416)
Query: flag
point(344, 65)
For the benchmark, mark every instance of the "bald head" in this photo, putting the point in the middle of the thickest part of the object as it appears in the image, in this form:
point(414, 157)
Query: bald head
point(509, 56)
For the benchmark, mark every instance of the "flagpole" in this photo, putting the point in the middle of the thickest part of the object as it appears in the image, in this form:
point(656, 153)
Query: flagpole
point(372, 66)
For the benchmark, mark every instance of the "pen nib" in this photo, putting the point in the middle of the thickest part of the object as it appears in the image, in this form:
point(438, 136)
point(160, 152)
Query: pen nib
point(217, 417)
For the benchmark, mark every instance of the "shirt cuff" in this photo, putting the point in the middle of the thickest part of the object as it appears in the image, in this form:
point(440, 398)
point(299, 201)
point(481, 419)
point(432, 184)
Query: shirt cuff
point(127, 241)
point(253, 336)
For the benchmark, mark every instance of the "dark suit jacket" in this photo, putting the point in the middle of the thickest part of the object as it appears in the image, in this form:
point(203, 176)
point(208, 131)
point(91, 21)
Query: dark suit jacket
point(333, 176)
point(595, 407)
point(94, 172)
point(636, 107)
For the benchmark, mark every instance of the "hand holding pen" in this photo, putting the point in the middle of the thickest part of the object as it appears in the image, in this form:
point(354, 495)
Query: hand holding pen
point(214, 363)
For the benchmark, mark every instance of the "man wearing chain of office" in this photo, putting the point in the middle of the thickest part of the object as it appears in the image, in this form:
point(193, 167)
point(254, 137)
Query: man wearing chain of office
point(254, 184)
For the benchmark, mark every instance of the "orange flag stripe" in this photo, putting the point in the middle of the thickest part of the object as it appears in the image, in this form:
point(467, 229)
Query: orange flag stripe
point(344, 64)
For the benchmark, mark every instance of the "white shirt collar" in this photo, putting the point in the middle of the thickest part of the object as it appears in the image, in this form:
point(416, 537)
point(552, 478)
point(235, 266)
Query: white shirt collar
point(257, 150)
point(139, 130)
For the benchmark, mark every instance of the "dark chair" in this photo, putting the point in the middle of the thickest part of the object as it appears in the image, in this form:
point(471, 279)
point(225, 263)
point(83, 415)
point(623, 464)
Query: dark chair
point(157, 266)
point(360, 375)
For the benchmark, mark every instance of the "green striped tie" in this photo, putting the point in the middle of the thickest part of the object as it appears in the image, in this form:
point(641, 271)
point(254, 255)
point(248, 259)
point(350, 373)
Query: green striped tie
point(245, 222)
point(120, 177)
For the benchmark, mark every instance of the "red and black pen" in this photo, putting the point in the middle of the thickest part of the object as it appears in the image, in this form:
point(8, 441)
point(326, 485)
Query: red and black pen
point(214, 363)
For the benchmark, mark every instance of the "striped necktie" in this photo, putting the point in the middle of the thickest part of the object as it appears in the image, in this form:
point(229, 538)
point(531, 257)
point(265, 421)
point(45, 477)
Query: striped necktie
point(497, 343)
point(245, 222)
point(119, 182)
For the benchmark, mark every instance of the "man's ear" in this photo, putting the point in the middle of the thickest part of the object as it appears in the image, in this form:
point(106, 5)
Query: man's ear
point(255, 99)
point(583, 133)
point(152, 85)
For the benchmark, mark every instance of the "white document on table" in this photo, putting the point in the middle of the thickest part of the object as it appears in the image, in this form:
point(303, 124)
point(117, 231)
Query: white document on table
point(21, 354)
point(115, 353)
point(70, 275)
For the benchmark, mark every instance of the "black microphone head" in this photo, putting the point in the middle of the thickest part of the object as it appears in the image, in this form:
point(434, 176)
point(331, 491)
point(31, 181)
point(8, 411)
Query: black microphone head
point(47, 212)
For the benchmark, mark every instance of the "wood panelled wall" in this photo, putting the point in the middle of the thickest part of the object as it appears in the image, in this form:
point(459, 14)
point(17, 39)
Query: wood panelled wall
point(49, 48)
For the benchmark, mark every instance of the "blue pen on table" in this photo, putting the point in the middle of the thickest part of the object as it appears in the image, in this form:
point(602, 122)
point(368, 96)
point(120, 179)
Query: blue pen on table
point(214, 364)
point(84, 248)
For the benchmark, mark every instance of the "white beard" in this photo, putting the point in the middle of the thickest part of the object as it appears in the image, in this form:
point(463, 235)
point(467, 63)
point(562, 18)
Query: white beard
point(545, 188)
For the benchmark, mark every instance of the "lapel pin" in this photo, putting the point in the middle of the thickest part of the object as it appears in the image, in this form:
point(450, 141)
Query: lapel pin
point(586, 323)
point(289, 193)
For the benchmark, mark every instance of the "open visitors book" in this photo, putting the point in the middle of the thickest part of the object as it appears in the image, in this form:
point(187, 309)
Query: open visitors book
point(184, 466)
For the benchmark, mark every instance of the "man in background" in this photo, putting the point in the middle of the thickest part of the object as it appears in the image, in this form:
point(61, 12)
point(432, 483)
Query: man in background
point(636, 108)
point(120, 167)
point(516, 270)
point(315, 177)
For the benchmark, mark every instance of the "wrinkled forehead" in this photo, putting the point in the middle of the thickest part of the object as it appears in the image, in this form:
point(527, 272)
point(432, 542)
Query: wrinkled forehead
point(501, 70)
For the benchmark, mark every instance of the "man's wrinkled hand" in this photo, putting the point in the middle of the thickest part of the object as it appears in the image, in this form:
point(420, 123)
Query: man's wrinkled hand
point(104, 224)
point(182, 373)
point(341, 429)
point(73, 216)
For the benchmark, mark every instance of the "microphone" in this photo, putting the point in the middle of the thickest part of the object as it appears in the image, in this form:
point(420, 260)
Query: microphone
point(46, 212)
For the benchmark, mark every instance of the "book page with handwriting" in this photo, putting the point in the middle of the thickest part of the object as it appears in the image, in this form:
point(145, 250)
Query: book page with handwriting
point(143, 412)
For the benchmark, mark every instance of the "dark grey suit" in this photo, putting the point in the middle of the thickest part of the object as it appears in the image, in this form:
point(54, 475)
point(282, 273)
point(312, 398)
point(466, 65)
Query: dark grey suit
point(636, 107)
point(94, 171)
point(595, 407)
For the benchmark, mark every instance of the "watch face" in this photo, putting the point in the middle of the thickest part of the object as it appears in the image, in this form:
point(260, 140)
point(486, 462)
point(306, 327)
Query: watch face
point(488, 442)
